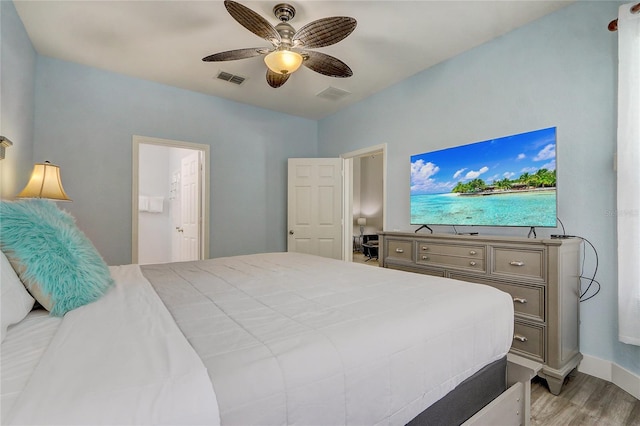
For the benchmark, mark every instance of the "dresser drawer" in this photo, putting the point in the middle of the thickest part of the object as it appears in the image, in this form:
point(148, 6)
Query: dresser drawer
point(527, 300)
point(398, 249)
point(451, 261)
point(418, 270)
point(528, 340)
point(451, 250)
point(518, 263)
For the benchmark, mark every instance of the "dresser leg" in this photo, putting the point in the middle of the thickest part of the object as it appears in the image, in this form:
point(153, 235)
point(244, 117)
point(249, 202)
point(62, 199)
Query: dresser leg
point(555, 384)
point(555, 377)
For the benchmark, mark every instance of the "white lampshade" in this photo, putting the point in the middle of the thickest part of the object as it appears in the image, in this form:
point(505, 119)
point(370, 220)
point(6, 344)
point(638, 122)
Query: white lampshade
point(283, 61)
point(362, 221)
point(45, 182)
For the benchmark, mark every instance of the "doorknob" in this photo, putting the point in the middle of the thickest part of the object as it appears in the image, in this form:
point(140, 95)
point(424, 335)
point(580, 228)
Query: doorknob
point(291, 232)
point(179, 229)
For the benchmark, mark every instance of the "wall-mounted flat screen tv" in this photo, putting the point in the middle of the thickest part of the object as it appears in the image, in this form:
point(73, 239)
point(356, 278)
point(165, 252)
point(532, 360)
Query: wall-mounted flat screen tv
point(509, 181)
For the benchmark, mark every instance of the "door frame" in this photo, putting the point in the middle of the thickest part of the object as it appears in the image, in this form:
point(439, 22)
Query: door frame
point(347, 194)
point(204, 189)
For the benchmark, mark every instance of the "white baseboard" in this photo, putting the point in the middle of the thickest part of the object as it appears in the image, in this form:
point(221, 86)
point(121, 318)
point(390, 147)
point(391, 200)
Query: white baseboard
point(626, 380)
point(606, 370)
point(596, 367)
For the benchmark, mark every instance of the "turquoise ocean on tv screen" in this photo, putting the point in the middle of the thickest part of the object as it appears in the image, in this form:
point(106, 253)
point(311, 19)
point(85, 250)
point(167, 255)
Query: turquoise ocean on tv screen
point(535, 208)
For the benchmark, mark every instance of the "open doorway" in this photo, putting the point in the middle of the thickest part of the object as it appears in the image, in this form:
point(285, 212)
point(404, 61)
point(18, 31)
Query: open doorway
point(170, 205)
point(364, 202)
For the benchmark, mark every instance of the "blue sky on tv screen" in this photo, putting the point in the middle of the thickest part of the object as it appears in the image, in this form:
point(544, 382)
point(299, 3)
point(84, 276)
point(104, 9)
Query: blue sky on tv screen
point(508, 157)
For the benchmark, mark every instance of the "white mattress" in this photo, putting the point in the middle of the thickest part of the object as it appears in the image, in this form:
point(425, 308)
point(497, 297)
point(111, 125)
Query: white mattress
point(21, 351)
point(289, 338)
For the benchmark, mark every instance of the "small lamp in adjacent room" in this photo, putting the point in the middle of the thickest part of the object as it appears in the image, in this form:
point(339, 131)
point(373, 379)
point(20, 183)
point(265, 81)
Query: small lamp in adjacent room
point(45, 182)
point(362, 221)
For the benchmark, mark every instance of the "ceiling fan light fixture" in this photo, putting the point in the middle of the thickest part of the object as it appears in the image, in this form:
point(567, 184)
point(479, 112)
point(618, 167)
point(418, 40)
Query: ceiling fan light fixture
point(285, 57)
point(283, 61)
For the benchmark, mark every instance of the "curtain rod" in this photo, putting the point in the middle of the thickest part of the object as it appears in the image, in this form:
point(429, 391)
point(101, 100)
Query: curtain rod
point(613, 25)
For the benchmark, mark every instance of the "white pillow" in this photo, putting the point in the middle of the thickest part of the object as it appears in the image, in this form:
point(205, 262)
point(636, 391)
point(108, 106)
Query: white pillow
point(16, 300)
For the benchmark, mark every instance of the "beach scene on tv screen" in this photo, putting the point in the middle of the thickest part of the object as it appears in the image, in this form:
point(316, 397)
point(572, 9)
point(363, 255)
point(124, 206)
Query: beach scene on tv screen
point(509, 181)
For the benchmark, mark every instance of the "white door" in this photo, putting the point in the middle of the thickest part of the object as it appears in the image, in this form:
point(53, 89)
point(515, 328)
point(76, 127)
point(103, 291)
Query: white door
point(189, 229)
point(315, 206)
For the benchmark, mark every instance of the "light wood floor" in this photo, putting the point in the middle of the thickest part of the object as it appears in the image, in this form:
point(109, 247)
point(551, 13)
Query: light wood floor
point(584, 401)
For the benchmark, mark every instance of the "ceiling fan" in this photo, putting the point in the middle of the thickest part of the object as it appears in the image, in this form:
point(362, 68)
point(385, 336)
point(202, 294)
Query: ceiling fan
point(289, 46)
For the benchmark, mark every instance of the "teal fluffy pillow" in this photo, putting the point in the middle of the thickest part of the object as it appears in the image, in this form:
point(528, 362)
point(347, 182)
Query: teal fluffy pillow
point(54, 259)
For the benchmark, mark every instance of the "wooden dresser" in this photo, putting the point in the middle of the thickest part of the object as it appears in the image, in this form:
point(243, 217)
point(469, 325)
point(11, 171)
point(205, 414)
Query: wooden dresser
point(541, 275)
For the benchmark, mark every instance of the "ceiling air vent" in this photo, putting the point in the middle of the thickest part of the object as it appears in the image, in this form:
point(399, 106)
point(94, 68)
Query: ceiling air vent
point(333, 94)
point(231, 78)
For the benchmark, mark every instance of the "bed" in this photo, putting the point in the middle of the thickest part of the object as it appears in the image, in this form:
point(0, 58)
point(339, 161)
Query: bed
point(272, 338)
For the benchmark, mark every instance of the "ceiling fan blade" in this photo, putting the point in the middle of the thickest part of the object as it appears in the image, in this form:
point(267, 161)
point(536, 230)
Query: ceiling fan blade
point(326, 64)
point(324, 32)
point(232, 55)
point(276, 80)
point(253, 22)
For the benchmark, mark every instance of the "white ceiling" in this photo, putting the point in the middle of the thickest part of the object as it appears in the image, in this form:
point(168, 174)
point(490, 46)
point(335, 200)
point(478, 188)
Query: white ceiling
point(165, 41)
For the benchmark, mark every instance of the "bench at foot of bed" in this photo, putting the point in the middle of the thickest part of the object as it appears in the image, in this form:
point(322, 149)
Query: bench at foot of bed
point(513, 406)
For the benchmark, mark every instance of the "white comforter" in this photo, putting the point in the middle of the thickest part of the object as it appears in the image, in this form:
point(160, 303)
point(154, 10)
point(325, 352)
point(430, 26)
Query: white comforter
point(120, 360)
point(289, 338)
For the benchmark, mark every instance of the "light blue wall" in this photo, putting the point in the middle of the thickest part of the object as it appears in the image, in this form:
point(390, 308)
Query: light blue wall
point(85, 119)
point(17, 71)
point(558, 71)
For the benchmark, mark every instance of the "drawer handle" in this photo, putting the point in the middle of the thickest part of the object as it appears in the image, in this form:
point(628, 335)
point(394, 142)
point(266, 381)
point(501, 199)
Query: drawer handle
point(472, 263)
point(520, 300)
point(473, 253)
point(424, 248)
point(425, 257)
point(517, 263)
point(519, 338)
point(399, 250)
